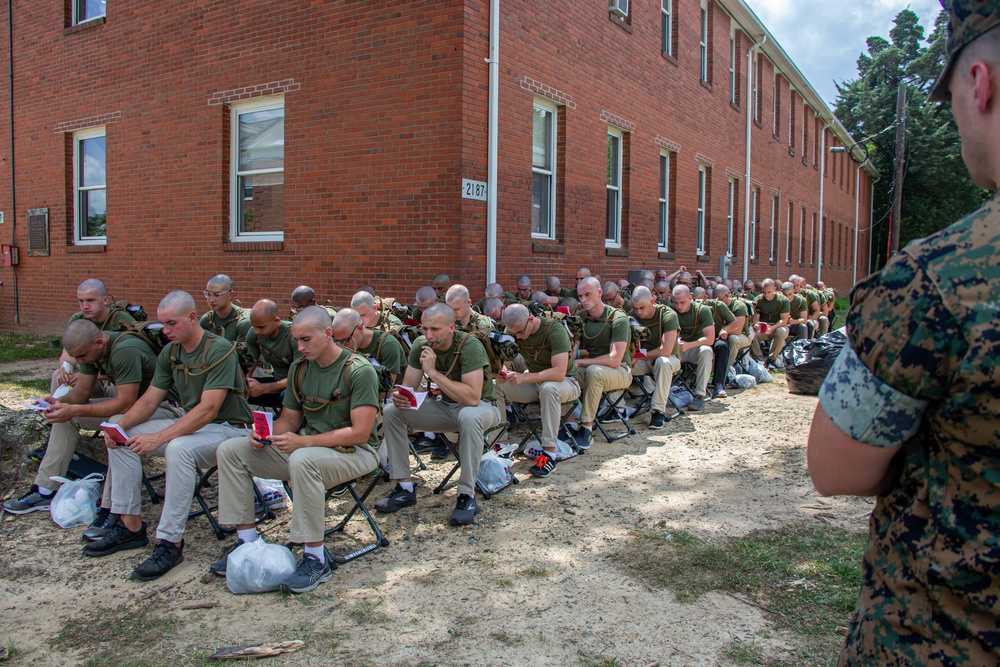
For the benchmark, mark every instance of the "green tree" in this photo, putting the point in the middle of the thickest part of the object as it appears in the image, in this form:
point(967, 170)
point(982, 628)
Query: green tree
point(937, 189)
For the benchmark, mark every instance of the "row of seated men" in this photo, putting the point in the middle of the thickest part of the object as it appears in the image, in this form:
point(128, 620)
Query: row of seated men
point(190, 402)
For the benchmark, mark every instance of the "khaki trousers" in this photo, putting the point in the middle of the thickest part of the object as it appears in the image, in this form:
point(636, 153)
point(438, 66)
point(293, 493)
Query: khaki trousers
point(777, 335)
point(824, 325)
point(594, 381)
point(102, 388)
point(662, 369)
point(182, 455)
point(737, 342)
point(549, 395)
point(309, 471)
point(702, 357)
point(440, 417)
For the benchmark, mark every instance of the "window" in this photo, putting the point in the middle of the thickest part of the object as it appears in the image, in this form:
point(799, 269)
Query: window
point(702, 185)
point(667, 27)
point(258, 164)
point(776, 107)
point(664, 241)
point(613, 228)
point(732, 68)
point(543, 170)
point(85, 10)
point(775, 205)
point(703, 43)
point(90, 187)
point(730, 216)
point(812, 242)
point(805, 133)
point(756, 88)
point(802, 223)
point(754, 215)
point(792, 120)
point(788, 235)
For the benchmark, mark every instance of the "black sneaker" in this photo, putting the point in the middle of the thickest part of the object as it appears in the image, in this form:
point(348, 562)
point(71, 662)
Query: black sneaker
point(219, 567)
point(397, 500)
point(465, 510)
point(118, 539)
point(102, 525)
point(423, 444)
point(544, 465)
point(656, 420)
point(164, 558)
point(697, 403)
point(440, 452)
point(584, 438)
point(720, 391)
point(310, 573)
point(564, 433)
point(32, 501)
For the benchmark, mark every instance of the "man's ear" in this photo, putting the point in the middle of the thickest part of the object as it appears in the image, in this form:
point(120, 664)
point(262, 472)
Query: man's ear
point(983, 85)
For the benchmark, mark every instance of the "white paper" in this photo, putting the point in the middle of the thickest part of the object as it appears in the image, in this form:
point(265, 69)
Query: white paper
point(37, 404)
point(375, 362)
point(61, 391)
point(409, 343)
point(67, 367)
point(154, 325)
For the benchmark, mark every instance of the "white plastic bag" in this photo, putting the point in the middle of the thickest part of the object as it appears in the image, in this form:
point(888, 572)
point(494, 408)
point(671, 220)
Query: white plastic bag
point(75, 503)
point(757, 370)
point(680, 397)
point(744, 381)
point(494, 472)
point(273, 491)
point(564, 450)
point(258, 567)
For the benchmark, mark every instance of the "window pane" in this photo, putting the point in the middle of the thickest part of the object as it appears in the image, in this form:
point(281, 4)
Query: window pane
point(262, 207)
point(611, 229)
point(94, 202)
point(541, 199)
point(92, 158)
point(613, 161)
point(90, 9)
point(541, 138)
point(664, 221)
point(262, 140)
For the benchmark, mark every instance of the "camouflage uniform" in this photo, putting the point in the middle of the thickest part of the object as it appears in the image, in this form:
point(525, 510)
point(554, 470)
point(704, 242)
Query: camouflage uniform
point(921, 371)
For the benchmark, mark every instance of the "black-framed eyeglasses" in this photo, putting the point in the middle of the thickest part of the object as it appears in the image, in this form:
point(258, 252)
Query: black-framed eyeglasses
point(349, 337)
point(522, 331)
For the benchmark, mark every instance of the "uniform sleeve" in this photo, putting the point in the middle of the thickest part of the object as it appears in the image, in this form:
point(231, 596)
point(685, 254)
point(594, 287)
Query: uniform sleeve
point(253, 345)
point(726, 314)
point(903, 345)
point(126, 364)
point(163, 378)
point(226, 375)
point(559, 339)
point(621, 330)
point(786, 306)
point(473, 355)
point(668, 321)
point(413, 361)
point(364, 384)
point(704, 320)
point(243, 327)
point(392, 353)
point(206, 320)
point(290, 401)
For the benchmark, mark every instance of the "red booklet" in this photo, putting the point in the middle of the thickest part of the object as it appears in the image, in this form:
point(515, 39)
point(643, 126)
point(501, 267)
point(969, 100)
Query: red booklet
point(115, 432)
point(416, 398)
point(262, 423)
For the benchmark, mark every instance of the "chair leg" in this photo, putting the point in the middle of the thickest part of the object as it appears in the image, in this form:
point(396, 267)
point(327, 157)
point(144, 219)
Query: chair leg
point(612, 409)
point(359, 505)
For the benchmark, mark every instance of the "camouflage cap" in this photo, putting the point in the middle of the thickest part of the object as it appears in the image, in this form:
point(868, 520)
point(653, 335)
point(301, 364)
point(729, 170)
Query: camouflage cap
point(967, 20)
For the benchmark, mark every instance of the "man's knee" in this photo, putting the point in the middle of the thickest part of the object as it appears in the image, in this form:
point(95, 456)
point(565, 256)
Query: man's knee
point(549, 390)
point(301, 464)
point(233, 450)
point(471, 418)
point(705, 355)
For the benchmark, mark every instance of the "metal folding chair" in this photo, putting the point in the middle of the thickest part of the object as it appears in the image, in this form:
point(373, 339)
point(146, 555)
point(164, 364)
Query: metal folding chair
point(535, 423)
point(609, 411)
point(490, 438)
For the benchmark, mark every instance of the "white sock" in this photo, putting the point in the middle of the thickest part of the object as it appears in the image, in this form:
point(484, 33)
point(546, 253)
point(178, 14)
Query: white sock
point(248, 535)
point(406, 486)
point(429, 435)
point(589, 428)
point(45, 492)
point(317, 552)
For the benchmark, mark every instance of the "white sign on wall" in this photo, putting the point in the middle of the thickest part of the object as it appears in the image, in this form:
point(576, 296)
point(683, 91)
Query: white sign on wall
point(473, 189)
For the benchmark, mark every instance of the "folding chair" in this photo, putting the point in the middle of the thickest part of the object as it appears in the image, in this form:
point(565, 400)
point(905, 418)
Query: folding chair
point(644, 399)
point(688, 377)
point(612, 413)
point(489, 442)
point(535, 423)
point(348, 488)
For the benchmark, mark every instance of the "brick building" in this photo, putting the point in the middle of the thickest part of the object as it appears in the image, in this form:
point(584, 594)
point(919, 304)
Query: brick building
point(158, 143)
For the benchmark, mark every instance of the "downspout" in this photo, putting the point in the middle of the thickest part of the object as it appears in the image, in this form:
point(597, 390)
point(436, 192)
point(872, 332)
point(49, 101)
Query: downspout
point(822, 182)
point(491, 166)
point(13, 190)
point(871, 217)
point(746, 182)
point(857, 222)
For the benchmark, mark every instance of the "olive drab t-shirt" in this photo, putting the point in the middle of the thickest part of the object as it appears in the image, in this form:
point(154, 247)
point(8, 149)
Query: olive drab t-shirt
point(796, 305)
point(127, 360)
point(214, 353)
point(328, 383)
point(387, 351)
point(739, 309)
point(478, 322)
point(279, 351)
point(233, 328)
point(112, 322)
point(538, 349)
point(722, 316)
point(473, 356)
point(664, 320)
point(771, 311)
point(599, 334)
point(693, 322)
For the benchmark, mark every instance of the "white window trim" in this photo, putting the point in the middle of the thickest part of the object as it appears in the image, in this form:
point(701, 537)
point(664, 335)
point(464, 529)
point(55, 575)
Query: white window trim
point(774, 103)
point(78, 213)
point(664, 201)
point(617, 241)
point(732, 65)
point(703, 42)
point(788, 233)
point(700, 231)
point(802, 223)
point(236, 194)
point(667, 18)
point(729, 217)
point(76, 13)
point(541, 103)
point(754, 197)
point(756, 87)
point(812, 241)
point(775, 221)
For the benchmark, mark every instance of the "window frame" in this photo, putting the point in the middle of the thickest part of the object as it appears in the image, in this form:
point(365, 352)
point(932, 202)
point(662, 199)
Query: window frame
point(700, 239)
point(667, 27)
point(663, 241)
point(615, 187)
point(788, 233)
point(732, 67)
point(754, 214)
point(802, 223)
point(703, 43)
point(552, 108)
point(236, 193)
point(756, 87)
point(731, 216)
point(76, 20)
point(775, 221)
point(79, 213)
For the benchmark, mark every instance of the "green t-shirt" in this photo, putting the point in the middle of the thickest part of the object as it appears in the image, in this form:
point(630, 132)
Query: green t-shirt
point(189, 386)
point(111, 323)
point(771, 311)
point(563, 293)
point(692, 323)
point(664, 320)
point(127, 359)
point(473, 356)
point(279, 351)
point(387, 351)
point(599, 334)
point(538, 349)
point(739, 309)
point(478, 322)
point(234, 327)
point(796, 305)
point(721, 314)
point(328, 384)
point(812, 296)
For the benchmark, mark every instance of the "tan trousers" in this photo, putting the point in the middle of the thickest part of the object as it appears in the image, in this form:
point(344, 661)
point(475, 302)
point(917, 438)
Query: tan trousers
point(662, 369)
point(824, 325)
point(702, 357)
point(309, 471)
point(440, 417)
point(737, 342)
point(777, 335)
point(102, 388)
point(594, 381)
point(549, 395)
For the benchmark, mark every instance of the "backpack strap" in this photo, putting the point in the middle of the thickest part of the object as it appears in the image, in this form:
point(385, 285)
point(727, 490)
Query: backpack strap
point(535, 350)
point(337, 396)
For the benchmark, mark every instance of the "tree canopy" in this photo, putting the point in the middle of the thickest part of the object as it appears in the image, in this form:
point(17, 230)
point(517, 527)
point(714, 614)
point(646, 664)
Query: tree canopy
point(937, 189)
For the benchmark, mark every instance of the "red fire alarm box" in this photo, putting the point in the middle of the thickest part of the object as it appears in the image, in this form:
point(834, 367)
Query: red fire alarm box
point(9, 255)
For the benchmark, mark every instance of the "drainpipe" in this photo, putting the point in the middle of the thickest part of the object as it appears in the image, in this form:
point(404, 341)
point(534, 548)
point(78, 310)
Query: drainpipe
point(491, 166)
point(871, 218)
point(13, 190)
point(746, 181)
point(822, 181)
point(857, 220)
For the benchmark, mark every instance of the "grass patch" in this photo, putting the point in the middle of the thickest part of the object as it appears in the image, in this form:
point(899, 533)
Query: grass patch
point(807, 575)
point(366, 611)
point(740, 652)
point(33, 387)
point(536, 572)
point(18, 347)
point(507, 638)
point(122, 635)
point(841, 306)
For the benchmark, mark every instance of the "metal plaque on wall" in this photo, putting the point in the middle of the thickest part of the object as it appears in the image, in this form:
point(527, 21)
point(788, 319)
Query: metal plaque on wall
point(38, 232)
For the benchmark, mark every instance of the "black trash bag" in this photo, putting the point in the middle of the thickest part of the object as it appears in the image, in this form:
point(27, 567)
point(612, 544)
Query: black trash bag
point(808, 361)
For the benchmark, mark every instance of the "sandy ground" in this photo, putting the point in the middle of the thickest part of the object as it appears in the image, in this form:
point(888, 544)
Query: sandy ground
point(474, 595)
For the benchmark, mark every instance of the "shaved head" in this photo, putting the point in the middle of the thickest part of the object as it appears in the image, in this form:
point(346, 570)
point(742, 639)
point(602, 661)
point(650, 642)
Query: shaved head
point(681, 291)
point(458, 293)
point(494, 290)
point(721, 291)
point(515, 316)
point(303, 295)
point(363, 299)
point(93, 285)
point(426, 296)
point(493, 308)
point(347, 320)
point(222, 281)
point(80, 334)
point(314, 317)
point(641, 294)
point(440, 310)
point(177, 302)
point(263, 310)
point(592, 282)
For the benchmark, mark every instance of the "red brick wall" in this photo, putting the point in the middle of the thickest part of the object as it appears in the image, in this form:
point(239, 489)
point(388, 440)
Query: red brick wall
point(385, 113)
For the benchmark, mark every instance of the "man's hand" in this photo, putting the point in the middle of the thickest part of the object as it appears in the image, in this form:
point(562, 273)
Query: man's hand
point(255, 442)
point(289, 442)
point(399, 400)
point(60, 413)
point(67, 378)
point(428, 360)
point(256, 388)
point(144, 443)
point(723, 335)
point(516, 379)
point(109, 443)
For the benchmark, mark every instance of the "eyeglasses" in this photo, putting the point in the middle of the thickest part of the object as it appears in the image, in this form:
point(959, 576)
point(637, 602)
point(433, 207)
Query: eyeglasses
point(209, 295)
point(349, 337)
point(518, 333)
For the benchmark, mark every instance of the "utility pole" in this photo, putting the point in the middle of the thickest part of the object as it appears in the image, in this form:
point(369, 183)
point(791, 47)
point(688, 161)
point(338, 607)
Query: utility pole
point(897, 203)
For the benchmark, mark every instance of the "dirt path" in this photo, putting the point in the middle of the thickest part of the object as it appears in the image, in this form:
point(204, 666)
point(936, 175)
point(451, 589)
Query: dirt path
point(532, 584)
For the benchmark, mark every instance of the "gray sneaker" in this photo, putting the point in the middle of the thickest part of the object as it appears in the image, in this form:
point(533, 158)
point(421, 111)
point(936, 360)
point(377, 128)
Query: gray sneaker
point(102, 525)
point(218, 568)
point(310, 573)
point(32, 501)
point(698, 403)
